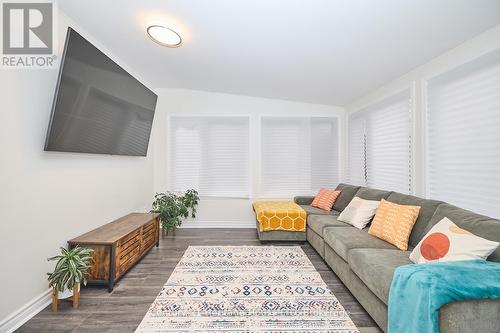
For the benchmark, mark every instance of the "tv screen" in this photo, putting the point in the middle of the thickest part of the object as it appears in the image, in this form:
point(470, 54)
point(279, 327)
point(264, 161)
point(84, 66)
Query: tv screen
point(98, 107)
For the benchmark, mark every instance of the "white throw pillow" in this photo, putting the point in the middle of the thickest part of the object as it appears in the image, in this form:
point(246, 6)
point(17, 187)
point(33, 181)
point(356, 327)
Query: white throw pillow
point(359, 212)
point(447, 242)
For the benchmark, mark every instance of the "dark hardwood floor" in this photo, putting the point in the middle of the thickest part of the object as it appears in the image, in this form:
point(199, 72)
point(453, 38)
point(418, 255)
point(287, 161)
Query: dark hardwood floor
point(122, 310)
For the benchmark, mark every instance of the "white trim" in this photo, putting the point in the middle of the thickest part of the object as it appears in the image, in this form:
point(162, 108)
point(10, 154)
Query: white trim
point(425, 137)
point(415, 125)
point(28, 311)
point(381, 99)
point(256, 159)
point(217, 224)
point(342, 137)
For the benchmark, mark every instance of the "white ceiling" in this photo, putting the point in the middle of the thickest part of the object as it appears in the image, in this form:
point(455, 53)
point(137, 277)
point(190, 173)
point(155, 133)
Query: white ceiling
point(319, 51)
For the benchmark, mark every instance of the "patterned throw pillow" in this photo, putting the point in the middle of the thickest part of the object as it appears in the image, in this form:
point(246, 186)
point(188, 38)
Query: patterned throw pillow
point(393, 223)
point(325, 199)
point(359, 212)
point(447, 242)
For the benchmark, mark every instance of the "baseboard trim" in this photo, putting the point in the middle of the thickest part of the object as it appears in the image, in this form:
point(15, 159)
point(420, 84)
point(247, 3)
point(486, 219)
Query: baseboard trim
point(218, 224)
point(28, 311)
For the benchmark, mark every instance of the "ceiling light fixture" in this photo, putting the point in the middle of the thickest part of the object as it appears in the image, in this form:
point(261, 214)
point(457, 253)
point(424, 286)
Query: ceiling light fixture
point(164, 36)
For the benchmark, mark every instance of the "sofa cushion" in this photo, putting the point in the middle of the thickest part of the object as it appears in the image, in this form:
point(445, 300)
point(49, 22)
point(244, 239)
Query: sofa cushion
point(303, 200)
point(479, 225)
point(310, 210)
point(346, 195)
point(375, 267)
point(319, 222)
point(427, 209)
point(372, 194)
point(316, 241)
point(344, 239)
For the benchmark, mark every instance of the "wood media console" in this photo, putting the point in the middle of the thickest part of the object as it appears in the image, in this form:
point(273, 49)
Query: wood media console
point(118, 246)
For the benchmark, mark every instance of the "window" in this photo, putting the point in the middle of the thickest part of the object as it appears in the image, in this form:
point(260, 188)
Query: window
point(380, 145)
point(463, 136)
point(299, 155)
point(211, 155)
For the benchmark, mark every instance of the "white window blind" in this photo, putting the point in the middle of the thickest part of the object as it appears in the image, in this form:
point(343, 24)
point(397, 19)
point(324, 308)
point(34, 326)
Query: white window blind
point(211, 155)
point(357, 151)
point(388, 150)
point(463, 136)
point(299, 155)
point(380, 145)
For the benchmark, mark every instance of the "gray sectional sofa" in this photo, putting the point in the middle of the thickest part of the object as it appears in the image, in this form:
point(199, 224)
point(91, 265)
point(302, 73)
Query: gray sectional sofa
point(366, 264)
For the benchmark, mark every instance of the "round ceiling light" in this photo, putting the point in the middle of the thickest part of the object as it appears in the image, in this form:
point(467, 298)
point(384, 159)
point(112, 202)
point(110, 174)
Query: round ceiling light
point(164, 36)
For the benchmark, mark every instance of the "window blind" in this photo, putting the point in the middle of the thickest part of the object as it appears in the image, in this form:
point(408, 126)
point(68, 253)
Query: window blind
point(463, 136)
point(388, 149)
point(211, 155)
point(380, 145)
point(357, 151)
point(299, 155)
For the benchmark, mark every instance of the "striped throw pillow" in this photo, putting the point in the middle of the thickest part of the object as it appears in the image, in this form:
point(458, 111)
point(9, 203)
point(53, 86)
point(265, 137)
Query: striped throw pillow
point(325, 199)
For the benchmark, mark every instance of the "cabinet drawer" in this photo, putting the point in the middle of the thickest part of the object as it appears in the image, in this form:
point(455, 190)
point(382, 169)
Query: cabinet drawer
point(127, 252)
point(127, 239)
point(129, 260)
point(148, 235)
point(148, 229)
point(149, 241)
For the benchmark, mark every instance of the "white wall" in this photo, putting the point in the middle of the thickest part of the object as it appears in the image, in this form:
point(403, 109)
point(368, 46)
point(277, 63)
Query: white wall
point(225, 212)
point(47, 198)
point(416, 80)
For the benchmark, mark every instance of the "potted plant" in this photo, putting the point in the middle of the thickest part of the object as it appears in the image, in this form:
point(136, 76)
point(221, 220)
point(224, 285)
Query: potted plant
point(70, 270)
point(174, 207)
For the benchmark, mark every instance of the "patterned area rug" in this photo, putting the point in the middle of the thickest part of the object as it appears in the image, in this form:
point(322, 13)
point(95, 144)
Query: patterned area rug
point(245, 289)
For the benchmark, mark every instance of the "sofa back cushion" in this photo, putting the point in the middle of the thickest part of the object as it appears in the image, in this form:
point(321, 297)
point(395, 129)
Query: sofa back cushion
point(480, 225)
point(372, 194)
point(346, 195)
point(427, 209)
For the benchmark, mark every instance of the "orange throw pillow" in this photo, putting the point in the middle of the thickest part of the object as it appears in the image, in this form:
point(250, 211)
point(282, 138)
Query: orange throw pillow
point(393, 223)
point(325, 199)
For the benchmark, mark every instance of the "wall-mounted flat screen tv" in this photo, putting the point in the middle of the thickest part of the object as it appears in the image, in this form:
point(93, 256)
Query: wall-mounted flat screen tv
point(98, 106)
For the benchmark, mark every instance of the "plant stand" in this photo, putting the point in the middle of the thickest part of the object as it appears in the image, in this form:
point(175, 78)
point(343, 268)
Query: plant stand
point(75, 298)
point(166, 232)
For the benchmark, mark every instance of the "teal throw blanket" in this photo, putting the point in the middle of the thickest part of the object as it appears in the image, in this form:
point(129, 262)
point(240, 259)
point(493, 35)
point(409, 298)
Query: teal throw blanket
point(418, 291)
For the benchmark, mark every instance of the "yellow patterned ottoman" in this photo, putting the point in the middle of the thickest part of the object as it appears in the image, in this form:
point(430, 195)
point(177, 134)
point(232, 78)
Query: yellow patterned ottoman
point(280, 220)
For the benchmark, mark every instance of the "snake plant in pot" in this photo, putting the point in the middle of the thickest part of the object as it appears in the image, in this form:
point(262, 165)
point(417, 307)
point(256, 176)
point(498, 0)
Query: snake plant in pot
point(70, 270)
point(172, 208)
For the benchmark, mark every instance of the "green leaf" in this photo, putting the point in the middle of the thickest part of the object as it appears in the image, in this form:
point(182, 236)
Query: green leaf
point(70, 268)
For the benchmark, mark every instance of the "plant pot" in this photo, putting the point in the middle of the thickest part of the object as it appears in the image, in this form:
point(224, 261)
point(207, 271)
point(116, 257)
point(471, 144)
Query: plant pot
point(67, 293)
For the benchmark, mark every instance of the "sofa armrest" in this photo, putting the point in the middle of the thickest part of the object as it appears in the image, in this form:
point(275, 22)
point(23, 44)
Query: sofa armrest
point(470, 316)
point(303, 200)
